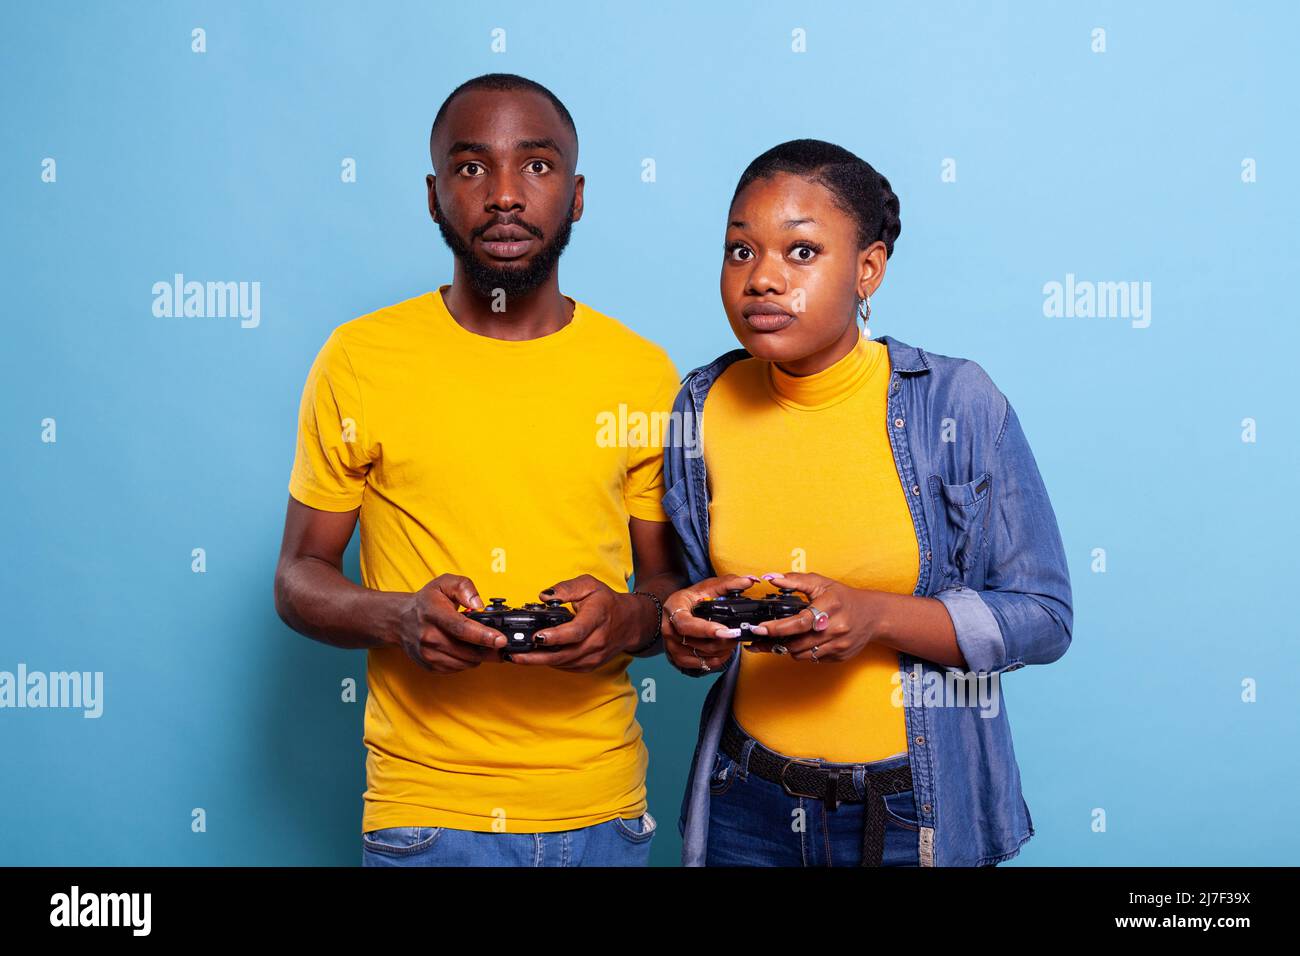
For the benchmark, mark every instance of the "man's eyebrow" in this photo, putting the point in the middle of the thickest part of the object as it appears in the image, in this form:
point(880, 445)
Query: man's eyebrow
point(788, 224)
point(544, 143)
point(466, 146)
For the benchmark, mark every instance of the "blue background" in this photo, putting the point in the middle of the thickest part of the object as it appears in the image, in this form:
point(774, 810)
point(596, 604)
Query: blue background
point(179, 433)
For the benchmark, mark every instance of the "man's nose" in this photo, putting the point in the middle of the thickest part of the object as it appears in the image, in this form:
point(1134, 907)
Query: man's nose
point(504, 193)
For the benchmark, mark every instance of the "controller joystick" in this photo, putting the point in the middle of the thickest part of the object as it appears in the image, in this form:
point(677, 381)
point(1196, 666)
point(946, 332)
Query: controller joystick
point(520, 624)
point(734, 610)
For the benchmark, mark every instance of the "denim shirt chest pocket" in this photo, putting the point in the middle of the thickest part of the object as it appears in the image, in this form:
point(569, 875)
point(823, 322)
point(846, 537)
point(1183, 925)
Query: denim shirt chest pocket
point(961, 530)
point(674, 499)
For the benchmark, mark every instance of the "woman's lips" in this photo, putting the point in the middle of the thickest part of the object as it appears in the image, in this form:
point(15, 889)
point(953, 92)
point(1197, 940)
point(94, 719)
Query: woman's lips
point(768, 321)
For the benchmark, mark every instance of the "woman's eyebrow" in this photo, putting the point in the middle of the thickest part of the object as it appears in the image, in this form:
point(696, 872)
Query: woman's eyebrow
point(788, 224)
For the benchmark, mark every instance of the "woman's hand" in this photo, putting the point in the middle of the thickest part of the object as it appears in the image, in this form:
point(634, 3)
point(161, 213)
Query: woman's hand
point(848, 623)
point(693, 645)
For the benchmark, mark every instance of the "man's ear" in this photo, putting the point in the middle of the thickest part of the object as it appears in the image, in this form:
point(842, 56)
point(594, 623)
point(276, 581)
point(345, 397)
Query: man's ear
point(431, 183)
point(578, 181)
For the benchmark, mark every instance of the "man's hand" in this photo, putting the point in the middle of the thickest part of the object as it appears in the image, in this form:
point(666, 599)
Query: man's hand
point(606, 623)
point(695, 646)
point(437, 636)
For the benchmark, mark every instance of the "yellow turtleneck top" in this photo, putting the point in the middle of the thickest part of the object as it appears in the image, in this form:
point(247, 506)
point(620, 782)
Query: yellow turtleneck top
point(802, 478)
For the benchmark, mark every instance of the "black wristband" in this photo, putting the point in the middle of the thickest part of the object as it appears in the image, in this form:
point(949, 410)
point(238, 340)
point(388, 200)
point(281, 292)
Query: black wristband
point(659, 620)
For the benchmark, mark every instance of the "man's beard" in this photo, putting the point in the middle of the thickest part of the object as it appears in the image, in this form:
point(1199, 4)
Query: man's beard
point(513, 281)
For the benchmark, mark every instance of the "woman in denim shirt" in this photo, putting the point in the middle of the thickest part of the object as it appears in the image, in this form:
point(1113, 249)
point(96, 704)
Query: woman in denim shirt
point(898, 489)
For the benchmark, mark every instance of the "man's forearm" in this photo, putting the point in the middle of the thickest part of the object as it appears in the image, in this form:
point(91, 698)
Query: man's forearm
point(316, 599)
point(661, 586)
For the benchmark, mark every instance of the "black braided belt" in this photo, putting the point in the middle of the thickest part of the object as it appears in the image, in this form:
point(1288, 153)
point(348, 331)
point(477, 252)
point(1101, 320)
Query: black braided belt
point(832, 784)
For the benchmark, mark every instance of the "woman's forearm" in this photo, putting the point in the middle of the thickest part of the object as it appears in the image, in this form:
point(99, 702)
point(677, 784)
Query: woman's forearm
point(920, 626)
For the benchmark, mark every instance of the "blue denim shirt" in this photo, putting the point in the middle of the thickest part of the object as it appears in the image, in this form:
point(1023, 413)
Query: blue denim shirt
point(989, 549)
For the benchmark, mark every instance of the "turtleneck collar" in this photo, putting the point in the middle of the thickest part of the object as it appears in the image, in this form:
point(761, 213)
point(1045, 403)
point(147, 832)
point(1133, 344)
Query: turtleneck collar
point(831, 385)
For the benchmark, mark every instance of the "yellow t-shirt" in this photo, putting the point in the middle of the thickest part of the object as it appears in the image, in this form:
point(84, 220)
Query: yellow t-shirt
point(802, 478)
point(495, 460)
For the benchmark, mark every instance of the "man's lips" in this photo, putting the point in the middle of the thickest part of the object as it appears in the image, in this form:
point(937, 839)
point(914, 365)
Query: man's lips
point(507, 250)
point(506, 242)
point(766, 317)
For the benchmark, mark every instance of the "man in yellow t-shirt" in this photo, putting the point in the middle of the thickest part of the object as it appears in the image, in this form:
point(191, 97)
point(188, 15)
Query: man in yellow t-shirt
point(494, 438)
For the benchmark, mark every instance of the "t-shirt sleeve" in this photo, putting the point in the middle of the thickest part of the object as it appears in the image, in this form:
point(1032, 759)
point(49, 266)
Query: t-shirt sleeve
point(330, 462)
point(644, 489)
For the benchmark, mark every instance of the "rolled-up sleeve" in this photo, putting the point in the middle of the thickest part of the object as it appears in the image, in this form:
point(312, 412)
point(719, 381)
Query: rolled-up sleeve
point(1023, 614)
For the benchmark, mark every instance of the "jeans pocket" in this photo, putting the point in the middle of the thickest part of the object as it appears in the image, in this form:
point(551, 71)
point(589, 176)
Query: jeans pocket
point(723, 774)
point(902, 830)
point(400, 841)
point(900, 810)
point(636, 831)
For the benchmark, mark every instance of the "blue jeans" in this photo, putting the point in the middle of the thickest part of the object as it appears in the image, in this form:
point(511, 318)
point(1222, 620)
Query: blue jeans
point(615, 842)
point(754, 822)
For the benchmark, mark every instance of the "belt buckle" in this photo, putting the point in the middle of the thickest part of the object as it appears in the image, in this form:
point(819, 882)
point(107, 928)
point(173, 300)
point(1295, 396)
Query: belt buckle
point(815, 765)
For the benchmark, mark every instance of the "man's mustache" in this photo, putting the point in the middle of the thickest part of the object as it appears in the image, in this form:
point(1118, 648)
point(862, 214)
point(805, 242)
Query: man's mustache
point(479, 230)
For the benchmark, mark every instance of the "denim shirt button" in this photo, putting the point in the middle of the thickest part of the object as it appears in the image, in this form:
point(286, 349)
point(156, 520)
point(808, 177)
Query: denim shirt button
point(916, 489)
point(925, 807)
point(898, 423)
point(920, 741)
point(927, 555)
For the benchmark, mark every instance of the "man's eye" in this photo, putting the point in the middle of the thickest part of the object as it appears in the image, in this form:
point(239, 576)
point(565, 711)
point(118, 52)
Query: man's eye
point(471, 169)
point(538, 162)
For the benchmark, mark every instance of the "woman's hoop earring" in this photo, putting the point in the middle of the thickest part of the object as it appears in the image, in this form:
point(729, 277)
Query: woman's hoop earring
point(864, 310)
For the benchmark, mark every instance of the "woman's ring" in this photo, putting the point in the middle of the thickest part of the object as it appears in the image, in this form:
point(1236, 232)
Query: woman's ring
point(819, 616)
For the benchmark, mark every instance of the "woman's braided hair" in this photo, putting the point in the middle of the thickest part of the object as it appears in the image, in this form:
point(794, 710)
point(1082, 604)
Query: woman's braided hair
point(858, 189)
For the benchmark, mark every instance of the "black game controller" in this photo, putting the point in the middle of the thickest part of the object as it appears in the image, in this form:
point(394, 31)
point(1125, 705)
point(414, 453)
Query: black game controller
point(519, 624)
point(734, 610)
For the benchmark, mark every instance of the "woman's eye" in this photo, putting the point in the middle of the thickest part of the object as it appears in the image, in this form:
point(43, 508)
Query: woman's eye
point(734, 253)
point(804, 253)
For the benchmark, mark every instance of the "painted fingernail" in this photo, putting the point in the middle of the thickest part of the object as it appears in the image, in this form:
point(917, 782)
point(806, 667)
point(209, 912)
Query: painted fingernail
point(727, 632)
point(758, 629)
point(768, 577)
